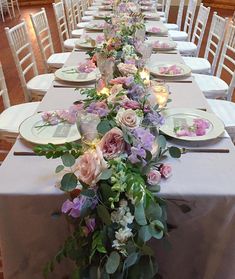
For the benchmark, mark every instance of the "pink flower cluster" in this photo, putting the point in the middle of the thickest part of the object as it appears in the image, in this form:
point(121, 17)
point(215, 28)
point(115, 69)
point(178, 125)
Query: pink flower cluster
point(154, 176)
point(99, 39)
point(172, 70)
point(87, 67)
point(198, 128)
point(159, 44)
point(154, 30)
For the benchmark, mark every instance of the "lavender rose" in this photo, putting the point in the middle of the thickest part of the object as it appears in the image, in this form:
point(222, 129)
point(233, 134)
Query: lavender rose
point(166, 170)
point(154, 177)
point(89, 166)
point(112, 143)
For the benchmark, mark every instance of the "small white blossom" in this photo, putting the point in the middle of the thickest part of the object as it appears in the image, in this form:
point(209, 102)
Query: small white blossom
point(123, 234)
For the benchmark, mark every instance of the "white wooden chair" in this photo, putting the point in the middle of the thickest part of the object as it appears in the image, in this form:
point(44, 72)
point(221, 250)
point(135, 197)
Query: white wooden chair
point(23, 55)
point(73, 33)
point(188, 24)
point(192, 48)
point(214, 43)
point(177, 26)
point(164, 15)
point(12, 4)
point(65, 41)
point(12, 116)
point(77, 16)
point(4, 7)
point(225, 110)
point(213, 86)
point(41, 27)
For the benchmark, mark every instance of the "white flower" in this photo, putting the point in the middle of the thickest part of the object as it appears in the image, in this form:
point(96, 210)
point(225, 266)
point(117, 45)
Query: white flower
point(123, 234)
point(123, 203)
point(128, 118)
point(127, 219)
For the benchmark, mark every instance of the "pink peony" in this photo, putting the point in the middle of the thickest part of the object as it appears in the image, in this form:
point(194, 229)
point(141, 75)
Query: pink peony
point(130, 104)
point(127, 69)
point(166, 170)
point(112, 143)
point(154, 177)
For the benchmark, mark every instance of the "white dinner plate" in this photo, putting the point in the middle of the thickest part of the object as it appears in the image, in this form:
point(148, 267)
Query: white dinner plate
point(175, 117)
point(71, 74)
point(103, 15)
point(155, 70)
point(56, 134)
point(162, 32)
point(151, 16)
point(94, 27)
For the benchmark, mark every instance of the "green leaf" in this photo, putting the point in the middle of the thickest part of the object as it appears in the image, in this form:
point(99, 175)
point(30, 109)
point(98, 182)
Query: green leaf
point(104, 126)
point(147, 250)
point(106, 174)
point(161, 140)
point(88, 193)
point(130, 260)
point(140, 214)
point(68, 160)
point(112, 262)
point(144, 234)
point(174, 152)
point(156, 229)
point(153, 211)
point(76, 274)
point(59, 168)
point(69, 182)
point(104, 214)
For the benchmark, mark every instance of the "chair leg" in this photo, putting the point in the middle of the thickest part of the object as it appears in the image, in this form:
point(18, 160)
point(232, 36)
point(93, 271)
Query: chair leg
point(13, 8)
point(18, 8)
point(2, 13)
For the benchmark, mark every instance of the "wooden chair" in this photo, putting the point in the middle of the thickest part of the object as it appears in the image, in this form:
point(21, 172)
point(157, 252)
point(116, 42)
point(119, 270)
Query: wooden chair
point(12, 116)
point(23, 55)
point(207, 65)
point(185, 35)
point(213, 86)
point(4, 7)
point(51, 60)
point(225, 110)
point(164, 15)
point(177, 26)
point(65, 41)
point(192, 48)
point(73, 33)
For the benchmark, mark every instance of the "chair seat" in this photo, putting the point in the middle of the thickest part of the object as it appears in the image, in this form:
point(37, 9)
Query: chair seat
point(171, 26)
point(198, 65)
point(12, 117)
point(90, 13)
point(57, 60)
point(41, 83)
point(87, 18)
point(212, 87)
point(187, 48)
point(225, 110)
point(161, 14)
point(69, 44)
point(163, 19)
point(82, 24)
point(178, 35)
point(77, 33)
point(93, 8)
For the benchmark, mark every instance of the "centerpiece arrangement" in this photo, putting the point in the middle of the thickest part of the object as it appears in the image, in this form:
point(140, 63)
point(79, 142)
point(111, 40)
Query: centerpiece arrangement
point(112, 175)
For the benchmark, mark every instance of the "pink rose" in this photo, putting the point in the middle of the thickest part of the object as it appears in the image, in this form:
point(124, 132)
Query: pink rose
point(128, 118)
point(166, 170)
point(112, 143)
point(89, 166)
point(127, 69)
point(154, 177)
point(130, 104)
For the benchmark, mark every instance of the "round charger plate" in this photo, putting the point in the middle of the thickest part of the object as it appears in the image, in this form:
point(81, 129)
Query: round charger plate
point(56, 134)
point(71, 74)
point(154, 70)
point(171, 45)
point(103, 15)
point(151, 16)
point(94, 27)
point(175, 117)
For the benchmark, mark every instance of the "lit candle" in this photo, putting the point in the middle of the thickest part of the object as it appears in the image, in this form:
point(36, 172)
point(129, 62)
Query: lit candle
point(103, 91)
point(161, 94)
point(145, 76)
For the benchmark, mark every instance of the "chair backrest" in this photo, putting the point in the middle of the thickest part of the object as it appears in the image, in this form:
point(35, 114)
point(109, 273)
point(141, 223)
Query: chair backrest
point(227, 59)
point(69, 16)
point(23, 55)
point(188, 24)
point(200, 26)
point(167, 9)
point(3, 89)
point(61, 23)
point(215, 40)
point(180, 14)
point(76, 12)
point(83, 5)
point(43, 35)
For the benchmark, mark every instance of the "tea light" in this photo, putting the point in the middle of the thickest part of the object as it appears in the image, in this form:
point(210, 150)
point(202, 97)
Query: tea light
point(103, 91)
point(161, 94)
point(145, 76)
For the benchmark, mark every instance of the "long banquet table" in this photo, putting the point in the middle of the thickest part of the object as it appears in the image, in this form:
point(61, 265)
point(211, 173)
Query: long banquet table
point(202, 247)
